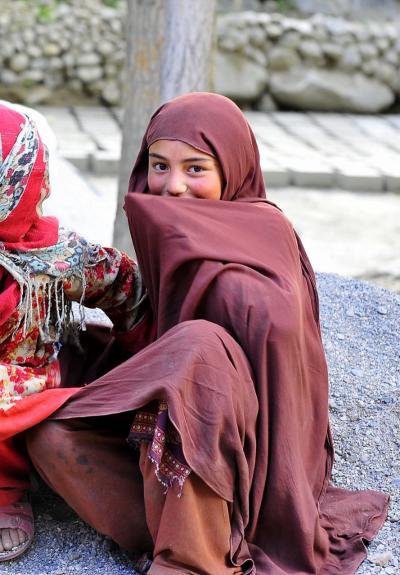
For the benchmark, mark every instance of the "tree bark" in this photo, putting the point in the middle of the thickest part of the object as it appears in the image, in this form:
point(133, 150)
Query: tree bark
point(145, 24)
point(186, 57)
point(169, 52)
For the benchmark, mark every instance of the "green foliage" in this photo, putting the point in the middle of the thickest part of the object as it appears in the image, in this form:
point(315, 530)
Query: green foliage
point(44, 10)
point(27, 83)
point(284, 5)
point(111, 3)
point(45, 13)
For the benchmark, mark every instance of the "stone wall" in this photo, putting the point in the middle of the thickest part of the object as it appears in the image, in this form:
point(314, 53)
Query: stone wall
point(361, 9)
point(353, 9)
point(73, 50)
point(320, 63)
point(55, 51)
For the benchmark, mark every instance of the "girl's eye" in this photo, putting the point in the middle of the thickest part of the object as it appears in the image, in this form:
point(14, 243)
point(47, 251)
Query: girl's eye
point(196, 169)
point(159, 166)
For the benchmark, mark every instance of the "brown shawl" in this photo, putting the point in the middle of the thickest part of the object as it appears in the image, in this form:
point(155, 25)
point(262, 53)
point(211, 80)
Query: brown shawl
point(240, 265)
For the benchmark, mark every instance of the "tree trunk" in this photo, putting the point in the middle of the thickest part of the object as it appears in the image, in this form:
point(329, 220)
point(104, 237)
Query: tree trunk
point(186, 57)
point(142, 96)
point(169, 46)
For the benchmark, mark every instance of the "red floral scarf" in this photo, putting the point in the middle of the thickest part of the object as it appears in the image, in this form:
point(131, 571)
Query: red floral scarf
point(34, 253)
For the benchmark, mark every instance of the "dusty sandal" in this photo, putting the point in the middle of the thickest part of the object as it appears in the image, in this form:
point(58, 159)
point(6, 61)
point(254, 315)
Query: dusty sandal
point(17, 516)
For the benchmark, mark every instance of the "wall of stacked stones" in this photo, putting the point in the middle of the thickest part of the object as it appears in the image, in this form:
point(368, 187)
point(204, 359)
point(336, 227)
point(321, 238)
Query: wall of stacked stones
point(319, 63)
point(61, 50)
point(55, 51)
point(355, 9)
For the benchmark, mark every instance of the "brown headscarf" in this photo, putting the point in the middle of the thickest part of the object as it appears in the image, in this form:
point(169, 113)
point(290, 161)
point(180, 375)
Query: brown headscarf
point(215, 125)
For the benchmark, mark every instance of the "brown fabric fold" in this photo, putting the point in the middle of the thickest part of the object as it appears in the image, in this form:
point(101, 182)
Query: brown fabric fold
point(257, 436)
point(260, 287)
point(247, 389)
point(204, 377)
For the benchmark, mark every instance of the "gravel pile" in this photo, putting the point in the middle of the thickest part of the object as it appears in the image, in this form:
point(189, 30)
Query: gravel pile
point(360, 325)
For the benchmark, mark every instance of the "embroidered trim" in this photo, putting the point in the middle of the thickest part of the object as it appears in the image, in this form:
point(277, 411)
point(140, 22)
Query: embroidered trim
point(165, 445)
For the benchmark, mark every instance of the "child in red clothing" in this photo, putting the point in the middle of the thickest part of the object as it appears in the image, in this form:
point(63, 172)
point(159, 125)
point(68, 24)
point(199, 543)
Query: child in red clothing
point(42, 269)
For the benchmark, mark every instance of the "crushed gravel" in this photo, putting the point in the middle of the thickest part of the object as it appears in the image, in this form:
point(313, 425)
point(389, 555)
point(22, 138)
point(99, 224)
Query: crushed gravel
point(360, 326)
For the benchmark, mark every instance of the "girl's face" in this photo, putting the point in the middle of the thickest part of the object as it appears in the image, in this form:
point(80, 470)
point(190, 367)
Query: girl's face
point(177, 169)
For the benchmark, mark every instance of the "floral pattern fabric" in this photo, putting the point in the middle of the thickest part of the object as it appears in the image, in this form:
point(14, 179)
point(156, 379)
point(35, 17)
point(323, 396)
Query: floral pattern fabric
point(65, 256)
point(16, 168)
point(28, 361)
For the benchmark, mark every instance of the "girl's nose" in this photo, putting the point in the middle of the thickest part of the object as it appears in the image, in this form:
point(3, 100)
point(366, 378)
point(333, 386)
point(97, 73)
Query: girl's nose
point(175, 185)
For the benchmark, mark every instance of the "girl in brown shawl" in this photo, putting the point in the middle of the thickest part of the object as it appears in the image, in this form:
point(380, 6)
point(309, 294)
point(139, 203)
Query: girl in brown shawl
point(226, 392)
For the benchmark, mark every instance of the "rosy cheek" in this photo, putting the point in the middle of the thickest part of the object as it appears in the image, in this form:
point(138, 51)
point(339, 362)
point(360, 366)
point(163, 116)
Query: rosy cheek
point(198, 186)
point(154, 184)
point(204, 189)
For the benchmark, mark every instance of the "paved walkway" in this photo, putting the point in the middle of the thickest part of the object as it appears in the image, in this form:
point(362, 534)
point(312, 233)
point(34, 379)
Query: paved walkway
point(345, 151)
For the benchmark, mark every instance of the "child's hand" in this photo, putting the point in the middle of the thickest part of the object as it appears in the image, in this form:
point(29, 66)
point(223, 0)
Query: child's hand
point(73, 288)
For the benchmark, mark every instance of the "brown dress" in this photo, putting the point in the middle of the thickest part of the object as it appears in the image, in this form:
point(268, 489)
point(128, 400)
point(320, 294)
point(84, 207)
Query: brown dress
point(234, 391)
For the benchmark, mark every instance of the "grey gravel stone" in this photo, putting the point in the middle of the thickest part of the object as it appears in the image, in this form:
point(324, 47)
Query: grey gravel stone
point(89, 74)
point(51, 49)
point(382, 310)
point(19, 62)
point(282, 58)
point(8, 77)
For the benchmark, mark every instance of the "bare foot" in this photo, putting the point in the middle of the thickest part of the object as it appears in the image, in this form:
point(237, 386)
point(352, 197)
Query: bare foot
point(10, 538)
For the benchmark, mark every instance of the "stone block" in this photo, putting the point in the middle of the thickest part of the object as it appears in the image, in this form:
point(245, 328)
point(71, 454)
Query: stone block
point(60, 118)
point(238, 77)
point(282, 58)
point(276, 177)
point(389, 167)
point(309, 170)
point(317, 89)
point(289, 118)
point(317, 177)
point(379, 128)
point(104, 162)
point(78, 159)
point(111, 143)
point(97, 122)
point(392, 183)
point(361, 179)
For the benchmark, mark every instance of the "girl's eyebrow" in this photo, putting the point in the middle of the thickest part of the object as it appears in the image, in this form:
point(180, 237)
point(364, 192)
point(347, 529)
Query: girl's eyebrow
point(160, 157)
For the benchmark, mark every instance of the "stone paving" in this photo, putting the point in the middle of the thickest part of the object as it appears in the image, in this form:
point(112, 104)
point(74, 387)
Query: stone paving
point(89, 137)
point(346, 151)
